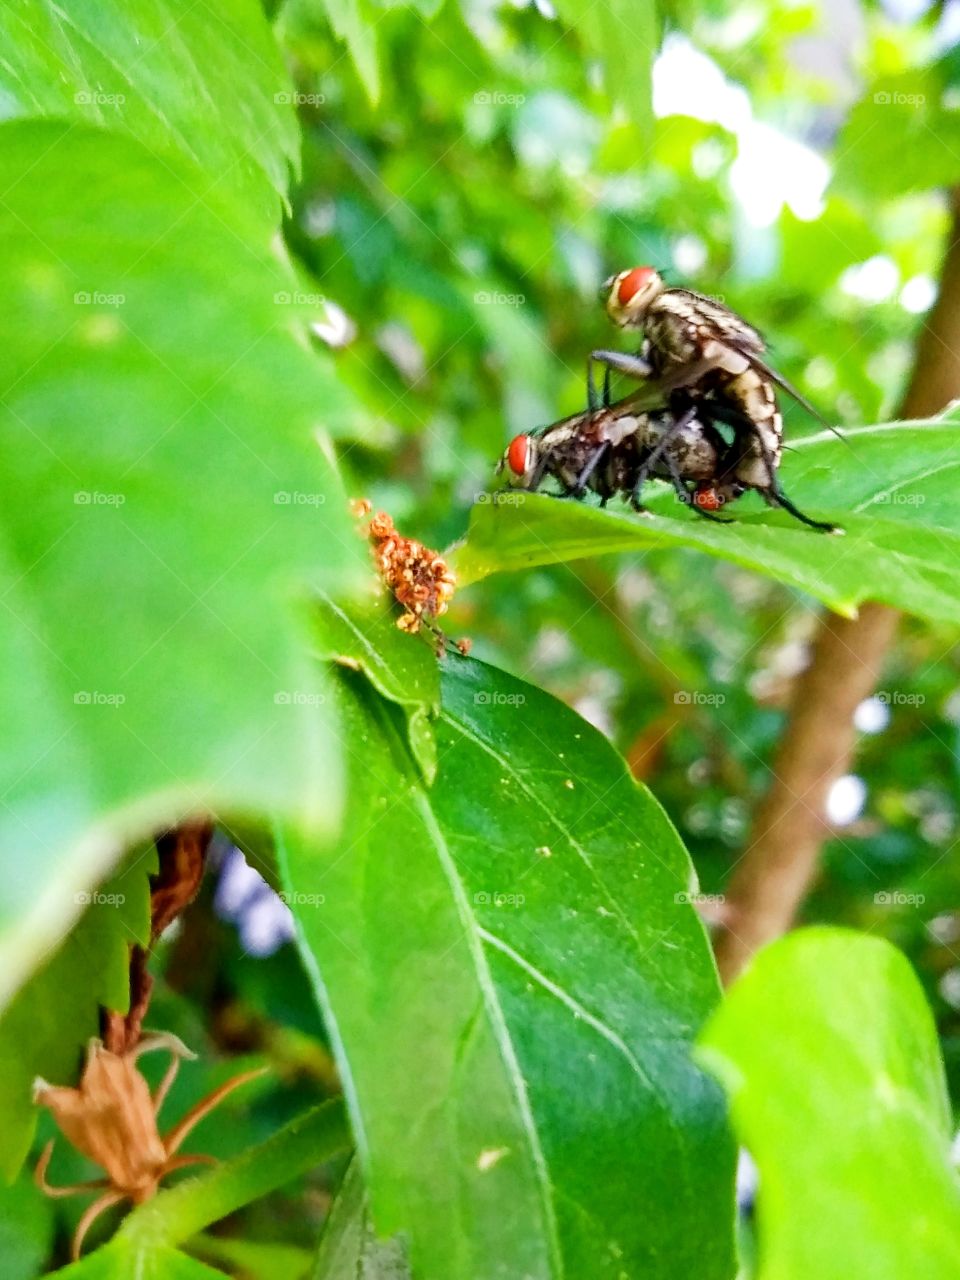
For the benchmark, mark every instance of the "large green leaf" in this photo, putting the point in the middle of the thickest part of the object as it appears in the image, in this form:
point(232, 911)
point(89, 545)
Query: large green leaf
point(512, 976)
point(164, 506)
point(196, 81)
point(48, 1022)
point(892, 488)
point(829, 1053)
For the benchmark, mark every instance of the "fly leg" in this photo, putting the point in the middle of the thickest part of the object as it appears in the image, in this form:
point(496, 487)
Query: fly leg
point(633, 366)
point(583, 479)
point(656, 453)
point(775, 497)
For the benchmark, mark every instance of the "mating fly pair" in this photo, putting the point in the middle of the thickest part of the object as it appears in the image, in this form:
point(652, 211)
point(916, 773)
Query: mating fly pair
point(706, 418)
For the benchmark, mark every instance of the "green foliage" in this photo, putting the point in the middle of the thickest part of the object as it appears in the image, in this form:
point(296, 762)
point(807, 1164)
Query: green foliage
point(527, 914)
point(496, 950)
point(828, 1037)
point(208, 86)
point(157, 533)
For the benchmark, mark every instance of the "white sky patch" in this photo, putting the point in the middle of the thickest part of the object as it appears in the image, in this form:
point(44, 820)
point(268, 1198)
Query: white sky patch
point(872, 716)
point(771, 169)
point(875, 280)
point(846, 799)
point(918, 294)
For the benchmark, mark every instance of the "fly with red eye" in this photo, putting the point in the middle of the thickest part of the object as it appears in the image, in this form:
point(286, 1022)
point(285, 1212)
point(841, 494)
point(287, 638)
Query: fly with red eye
point(518, 455)
point(616, 450)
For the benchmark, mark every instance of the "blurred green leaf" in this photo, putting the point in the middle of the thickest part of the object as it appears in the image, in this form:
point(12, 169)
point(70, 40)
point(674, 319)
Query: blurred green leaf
point(626, 35)
point(521, 934)
point(355, 24)
point(892, 488)
point(121, 1259)
point(26, 1230)
point(900, 137)
point(203, 83)
point(166, 506)
point(829, 1053)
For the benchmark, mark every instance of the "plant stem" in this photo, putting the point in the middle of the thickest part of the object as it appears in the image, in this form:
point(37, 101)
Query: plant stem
point(175, 1215)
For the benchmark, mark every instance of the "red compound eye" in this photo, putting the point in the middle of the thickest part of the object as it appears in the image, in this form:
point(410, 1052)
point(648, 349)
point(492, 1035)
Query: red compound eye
point(518, 455)
point(707, 498)
point(633, 282)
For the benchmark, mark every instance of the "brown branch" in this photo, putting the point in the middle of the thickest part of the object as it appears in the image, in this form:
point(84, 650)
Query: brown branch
point(781, 860)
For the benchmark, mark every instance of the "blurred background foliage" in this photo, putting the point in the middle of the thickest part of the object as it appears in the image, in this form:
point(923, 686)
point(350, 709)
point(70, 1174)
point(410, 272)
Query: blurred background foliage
point(471, 174)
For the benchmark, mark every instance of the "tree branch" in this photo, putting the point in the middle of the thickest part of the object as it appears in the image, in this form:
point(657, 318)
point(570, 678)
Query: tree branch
point(780, 864)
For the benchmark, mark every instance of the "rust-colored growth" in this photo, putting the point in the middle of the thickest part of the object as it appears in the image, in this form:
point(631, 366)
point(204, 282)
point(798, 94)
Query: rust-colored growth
point(420, 579)
point(112, 1119)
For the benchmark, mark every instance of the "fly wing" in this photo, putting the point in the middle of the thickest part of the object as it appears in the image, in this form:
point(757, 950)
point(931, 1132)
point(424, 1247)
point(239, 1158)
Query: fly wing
point(720, 322)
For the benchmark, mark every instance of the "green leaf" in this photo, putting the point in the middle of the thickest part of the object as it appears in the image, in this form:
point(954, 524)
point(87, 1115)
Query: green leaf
point(892, 488)
point(44, 1030)
point(829, 1053)
point(349, 1248)
point(197, 82)
point(121, 1259)
point(364, 636)
point(165, 509)
point(626, 35)
point(353, 21)
point(517, 944)
point(899, 138)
